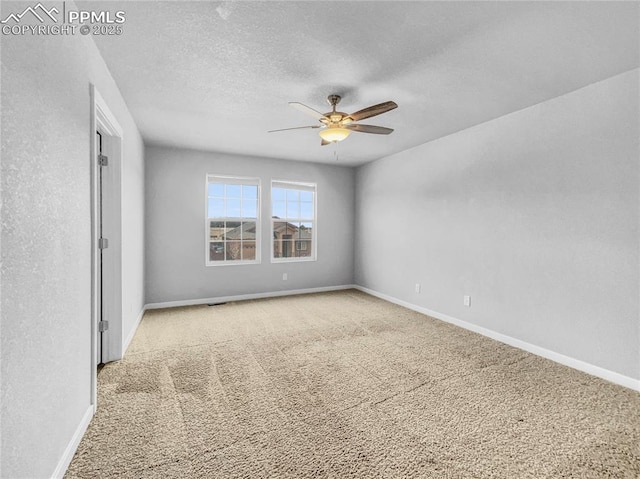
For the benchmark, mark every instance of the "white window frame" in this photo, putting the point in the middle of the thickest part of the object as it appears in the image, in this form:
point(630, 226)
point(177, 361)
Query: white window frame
point(299, 185)
point(234, 180)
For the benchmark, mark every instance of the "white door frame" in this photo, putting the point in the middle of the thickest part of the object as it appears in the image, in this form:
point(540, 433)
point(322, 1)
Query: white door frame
point(103, 120)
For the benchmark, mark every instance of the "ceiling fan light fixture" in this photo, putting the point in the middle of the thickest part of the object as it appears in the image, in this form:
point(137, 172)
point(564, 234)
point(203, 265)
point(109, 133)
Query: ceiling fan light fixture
point(334, 134)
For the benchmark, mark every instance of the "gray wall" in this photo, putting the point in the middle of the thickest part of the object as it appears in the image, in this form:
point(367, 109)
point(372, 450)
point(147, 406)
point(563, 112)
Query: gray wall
point(175, 227)
point(534, 214)
point(46, 241)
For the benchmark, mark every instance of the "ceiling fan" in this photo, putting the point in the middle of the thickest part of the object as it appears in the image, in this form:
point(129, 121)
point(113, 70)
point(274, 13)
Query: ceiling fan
point(336, 125)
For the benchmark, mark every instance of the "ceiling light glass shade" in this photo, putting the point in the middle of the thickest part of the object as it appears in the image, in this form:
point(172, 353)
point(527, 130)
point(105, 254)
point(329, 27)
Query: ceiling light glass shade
point(334, 134)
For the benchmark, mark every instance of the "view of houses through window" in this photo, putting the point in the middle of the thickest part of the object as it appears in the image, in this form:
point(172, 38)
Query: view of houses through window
point(233, 220)
point(293, 220)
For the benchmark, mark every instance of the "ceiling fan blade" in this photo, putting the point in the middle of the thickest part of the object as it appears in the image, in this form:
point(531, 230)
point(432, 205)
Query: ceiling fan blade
point(373, 110)
point(295, 128)
point(308, 110)
point(377, 130)
point(324, 142)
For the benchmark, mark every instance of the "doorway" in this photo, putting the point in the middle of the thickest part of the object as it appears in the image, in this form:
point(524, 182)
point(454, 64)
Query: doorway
point(286, 246)
point(106, 220)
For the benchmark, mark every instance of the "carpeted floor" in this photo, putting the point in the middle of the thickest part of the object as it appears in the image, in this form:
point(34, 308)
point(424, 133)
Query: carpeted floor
point(344, 385)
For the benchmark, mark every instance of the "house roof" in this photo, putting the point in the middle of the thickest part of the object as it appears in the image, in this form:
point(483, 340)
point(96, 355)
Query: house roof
point(245, 231)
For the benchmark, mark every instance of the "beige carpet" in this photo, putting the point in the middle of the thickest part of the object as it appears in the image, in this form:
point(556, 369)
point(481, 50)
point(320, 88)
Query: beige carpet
point(344, 385)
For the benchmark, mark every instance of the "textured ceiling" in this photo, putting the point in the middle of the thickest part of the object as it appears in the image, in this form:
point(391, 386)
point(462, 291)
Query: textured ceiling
point(218, 75)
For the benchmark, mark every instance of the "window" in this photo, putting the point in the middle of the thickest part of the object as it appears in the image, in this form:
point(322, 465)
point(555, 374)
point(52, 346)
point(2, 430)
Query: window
point(293, 221)
point(233, 220)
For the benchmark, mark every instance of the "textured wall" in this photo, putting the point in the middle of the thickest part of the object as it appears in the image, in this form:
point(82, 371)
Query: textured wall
point(534, 215)
point(46, 241)
point(175, 213)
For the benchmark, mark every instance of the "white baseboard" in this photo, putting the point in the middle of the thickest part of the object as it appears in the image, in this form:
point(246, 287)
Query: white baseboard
point(588, 368)
point(241, 297)
point(70, 450)
point(132, 333)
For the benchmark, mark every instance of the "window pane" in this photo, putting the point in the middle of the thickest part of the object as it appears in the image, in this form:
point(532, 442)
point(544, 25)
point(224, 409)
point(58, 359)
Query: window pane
point(249, 208)
point(306, 231)
point(216, 189)
point(279, 228)
point(303, 248)
point(249, 191)
point(278, 194)
point(293, 212)
point(216, 251)
point(216, 208)
point(249, 230)
point(306, 210)
point(279, 209)
point(294, 229)
point(233, 191)
point(232, 230)
point(231, 201)
point(233, 208)
point(293, 209)
point(234, 251)
point(216, 230)
point(248, 250)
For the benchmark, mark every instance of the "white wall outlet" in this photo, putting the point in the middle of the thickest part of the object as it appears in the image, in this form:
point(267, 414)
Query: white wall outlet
point(467, 301)
point(417, 287)
point(284, 276)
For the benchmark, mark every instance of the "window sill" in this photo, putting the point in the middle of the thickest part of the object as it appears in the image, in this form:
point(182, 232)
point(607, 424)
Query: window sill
point(230, 263)
point(292, 260)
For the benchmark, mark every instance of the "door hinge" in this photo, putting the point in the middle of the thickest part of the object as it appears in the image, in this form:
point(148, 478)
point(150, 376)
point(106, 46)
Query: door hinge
point(103, 160)
point(103, 326)
point(103, 243)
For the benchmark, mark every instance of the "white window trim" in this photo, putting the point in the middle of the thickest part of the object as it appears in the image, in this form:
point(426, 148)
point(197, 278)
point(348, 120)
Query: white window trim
point(236, 180)
point(314, 239)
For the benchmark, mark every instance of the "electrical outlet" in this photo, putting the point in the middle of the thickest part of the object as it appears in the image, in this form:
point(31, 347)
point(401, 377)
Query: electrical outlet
point(284, 276)
point(467, 301)
point(417, 287)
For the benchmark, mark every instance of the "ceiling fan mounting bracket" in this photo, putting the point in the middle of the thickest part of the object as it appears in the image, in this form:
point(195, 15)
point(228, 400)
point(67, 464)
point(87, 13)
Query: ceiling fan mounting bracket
point(333, 100)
